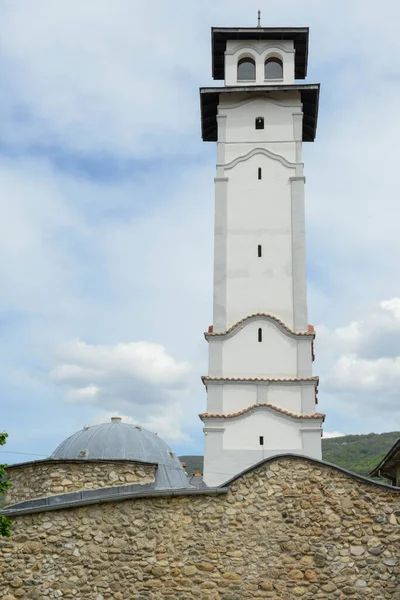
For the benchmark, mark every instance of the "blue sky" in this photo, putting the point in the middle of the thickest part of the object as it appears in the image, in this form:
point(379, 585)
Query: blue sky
point(106, 213)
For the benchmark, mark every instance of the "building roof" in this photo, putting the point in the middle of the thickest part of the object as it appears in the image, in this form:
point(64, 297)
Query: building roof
point(123, 441)
point(220, 35)
point(389, 464)
point(210, 97)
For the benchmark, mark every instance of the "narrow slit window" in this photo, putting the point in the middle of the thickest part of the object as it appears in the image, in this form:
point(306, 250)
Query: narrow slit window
point(259, 173)
point(259, 334)
point(259, 122)
point(261, 440)
point(259, 251)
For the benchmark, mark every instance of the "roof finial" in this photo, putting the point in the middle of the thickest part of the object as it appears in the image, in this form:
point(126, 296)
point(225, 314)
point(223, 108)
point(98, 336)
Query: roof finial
point(259, 18)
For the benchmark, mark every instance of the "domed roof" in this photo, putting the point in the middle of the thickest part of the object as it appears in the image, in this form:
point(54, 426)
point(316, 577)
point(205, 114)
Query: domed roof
point(123, 441)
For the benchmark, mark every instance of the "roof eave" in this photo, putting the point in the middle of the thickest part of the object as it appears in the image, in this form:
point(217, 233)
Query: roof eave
point(299, 36)
point(209, 98)
point(390, 457)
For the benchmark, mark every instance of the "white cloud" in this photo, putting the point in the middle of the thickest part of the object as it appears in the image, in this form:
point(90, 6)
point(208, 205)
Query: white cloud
point(130, 258)
point(84, 395)
point(352, 373)
point(89, 76)
point(392, 305)
point(332, 434)
point(139, 378)
point(359, 364)
point(167, 426)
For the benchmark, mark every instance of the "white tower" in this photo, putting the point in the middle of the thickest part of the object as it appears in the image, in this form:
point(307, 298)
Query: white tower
point(261, 394)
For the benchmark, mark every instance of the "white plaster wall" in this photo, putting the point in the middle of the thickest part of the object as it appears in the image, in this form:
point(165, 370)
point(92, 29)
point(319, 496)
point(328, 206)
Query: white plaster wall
point(259, 212)
point(304, 357)
point(279, 121)
point(308, 399)
point(249, 212)
point(239, 149)
point(236, 397)
point(285, 396)
point(222, 464)
point(244, 356)
point(259, 50)
point(279, 433)
point(312, 441)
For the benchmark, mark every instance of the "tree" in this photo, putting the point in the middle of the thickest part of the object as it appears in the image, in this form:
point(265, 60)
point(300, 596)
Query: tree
point(5, 524)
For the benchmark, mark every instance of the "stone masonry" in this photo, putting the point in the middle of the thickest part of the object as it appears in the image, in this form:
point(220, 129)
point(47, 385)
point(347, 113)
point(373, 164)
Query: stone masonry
point(49, 477)
point(290, 528)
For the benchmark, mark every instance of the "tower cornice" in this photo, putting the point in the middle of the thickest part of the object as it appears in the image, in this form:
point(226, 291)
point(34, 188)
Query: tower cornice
point(254, 407)
point(266, 152)
point(256, 316)
point(220, 36)
point(210, 97)
point(285, 380)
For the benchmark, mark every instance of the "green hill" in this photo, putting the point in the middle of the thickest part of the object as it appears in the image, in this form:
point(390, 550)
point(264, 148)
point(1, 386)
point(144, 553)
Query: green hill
point(357, 453)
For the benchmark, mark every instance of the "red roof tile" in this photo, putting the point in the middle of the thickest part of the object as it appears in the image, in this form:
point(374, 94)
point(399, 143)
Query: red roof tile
point(206, 379)
point(309, 332)
point(266, 405)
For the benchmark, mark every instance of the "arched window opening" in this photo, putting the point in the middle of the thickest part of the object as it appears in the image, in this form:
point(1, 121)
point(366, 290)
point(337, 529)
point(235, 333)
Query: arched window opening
point(261, 440)
point(259, 251)
point(260, 334)
point(246, 69)
point(259, 122)
point(273, 68)
point(259, 173)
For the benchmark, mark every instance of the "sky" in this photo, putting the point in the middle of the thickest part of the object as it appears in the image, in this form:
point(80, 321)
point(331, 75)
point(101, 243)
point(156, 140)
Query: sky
point(106, 214)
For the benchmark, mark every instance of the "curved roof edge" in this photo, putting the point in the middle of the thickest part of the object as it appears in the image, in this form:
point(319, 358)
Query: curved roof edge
point(262, 405)
point(315, 461)
point(86, 497)
point(101, 496)
point(394, 450)
point(254, 317)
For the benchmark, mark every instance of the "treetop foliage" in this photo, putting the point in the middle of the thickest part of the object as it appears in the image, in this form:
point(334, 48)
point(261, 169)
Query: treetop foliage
point(5, 524)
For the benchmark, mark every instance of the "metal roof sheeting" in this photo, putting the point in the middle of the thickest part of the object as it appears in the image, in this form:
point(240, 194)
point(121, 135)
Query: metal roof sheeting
point(123, 441)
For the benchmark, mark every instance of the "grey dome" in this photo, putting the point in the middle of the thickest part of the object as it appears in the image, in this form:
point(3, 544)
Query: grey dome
point(123, 441)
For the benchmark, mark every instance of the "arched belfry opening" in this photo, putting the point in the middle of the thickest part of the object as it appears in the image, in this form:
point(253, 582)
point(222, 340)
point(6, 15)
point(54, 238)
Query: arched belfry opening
point(273, 68)
point(246, 69)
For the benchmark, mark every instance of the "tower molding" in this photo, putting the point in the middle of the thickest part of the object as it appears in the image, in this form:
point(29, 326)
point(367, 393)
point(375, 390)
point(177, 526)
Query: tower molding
point(262, 407)
point(273, 155)
point(266, 98)
point(255, 317)
point(260, 51)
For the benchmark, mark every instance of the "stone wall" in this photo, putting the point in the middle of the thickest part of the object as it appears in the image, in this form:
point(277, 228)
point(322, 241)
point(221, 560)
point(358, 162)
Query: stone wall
point(292, 528)
point(41, 479)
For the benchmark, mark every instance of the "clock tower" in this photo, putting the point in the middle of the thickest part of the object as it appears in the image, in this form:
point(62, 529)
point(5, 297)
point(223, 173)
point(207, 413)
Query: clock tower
point(261, 394)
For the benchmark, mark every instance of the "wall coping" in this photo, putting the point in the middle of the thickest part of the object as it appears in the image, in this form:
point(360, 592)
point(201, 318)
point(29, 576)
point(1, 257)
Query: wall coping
point(313, 461)
point(120, 493)
point(103, 495)
point(55, 461)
